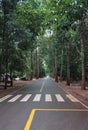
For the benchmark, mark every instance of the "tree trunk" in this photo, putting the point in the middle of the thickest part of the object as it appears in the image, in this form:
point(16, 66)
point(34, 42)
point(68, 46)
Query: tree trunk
point(34, 65)
point(61, 69)
point(31, 65)
point(6, 79)
point(1, 64)
point(37, 64)
point(56, 75)
point(5, 39)
point(68, 63)
point(82, 54)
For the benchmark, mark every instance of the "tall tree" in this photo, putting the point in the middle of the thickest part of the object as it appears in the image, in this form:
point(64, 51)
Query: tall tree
point(7, 8)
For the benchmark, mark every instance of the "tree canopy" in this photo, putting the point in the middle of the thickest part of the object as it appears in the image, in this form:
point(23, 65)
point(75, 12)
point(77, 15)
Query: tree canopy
point(44, 37)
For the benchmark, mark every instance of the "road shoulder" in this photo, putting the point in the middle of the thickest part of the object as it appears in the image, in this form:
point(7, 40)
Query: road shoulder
point(75, 90)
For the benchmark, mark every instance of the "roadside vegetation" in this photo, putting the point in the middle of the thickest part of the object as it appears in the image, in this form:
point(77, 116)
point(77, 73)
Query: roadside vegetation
point(44, 37)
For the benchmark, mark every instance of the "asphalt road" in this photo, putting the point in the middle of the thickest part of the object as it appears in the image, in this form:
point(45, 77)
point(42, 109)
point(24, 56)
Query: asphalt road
point(42, 105)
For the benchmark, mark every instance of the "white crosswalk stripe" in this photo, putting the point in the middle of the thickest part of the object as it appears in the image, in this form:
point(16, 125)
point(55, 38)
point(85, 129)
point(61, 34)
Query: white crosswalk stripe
point(73, 99)
point(26, 98)
point(48, 98)
point(15, 98)
point(5, 97)
point(37, 98)
point(59, 98)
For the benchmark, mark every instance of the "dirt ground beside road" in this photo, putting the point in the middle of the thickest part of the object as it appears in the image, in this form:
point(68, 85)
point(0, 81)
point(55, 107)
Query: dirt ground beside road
point(75, 90)
point(16, 85)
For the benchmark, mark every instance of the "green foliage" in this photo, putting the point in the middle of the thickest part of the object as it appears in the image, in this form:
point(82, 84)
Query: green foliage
point(19, 59)
point(45, 24)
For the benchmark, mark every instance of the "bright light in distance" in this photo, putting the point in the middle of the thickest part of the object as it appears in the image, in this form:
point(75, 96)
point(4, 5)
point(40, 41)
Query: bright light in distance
point(47, 76)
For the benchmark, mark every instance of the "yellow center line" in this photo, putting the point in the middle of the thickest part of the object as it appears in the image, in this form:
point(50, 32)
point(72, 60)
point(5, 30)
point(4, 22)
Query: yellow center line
point(42, 86)
point(29, 121)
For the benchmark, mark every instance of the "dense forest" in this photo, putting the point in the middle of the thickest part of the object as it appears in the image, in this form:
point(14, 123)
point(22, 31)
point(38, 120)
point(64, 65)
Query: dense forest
point(44, 37)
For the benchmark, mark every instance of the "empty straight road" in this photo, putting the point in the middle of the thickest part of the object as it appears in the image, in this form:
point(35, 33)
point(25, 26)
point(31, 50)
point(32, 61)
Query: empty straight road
point(42, 105)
